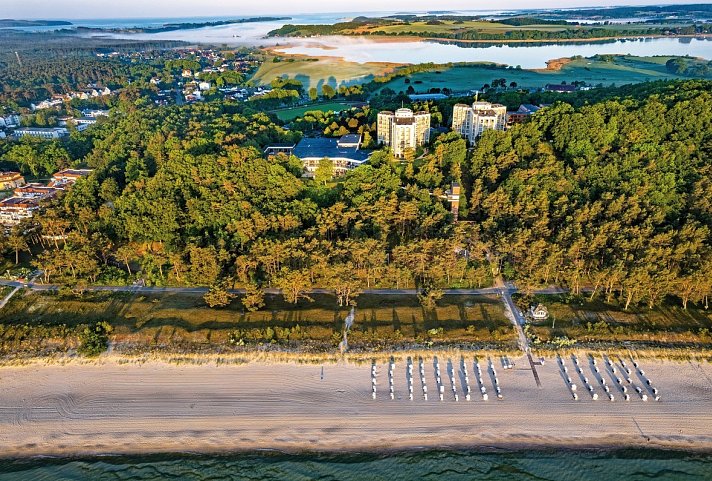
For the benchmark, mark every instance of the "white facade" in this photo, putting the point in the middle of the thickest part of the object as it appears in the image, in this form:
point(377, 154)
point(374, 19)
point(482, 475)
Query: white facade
point(472, 121)
point(403, 130)
point(341, 165)
point(14, 210)
point(43, 133)
point(12, 120)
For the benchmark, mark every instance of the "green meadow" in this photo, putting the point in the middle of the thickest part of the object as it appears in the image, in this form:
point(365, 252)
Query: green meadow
point(286, 115)
point(621, 70)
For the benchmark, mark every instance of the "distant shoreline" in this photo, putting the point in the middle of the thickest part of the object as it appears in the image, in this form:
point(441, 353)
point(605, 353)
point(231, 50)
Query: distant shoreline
point(414, 38)
point(12, 23)
point(172, 27)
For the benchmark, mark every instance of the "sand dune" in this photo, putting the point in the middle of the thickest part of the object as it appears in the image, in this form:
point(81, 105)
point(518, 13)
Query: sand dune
point(157, 407)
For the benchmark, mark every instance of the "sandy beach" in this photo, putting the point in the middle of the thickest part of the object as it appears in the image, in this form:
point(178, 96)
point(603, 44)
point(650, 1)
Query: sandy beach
point(83, 409)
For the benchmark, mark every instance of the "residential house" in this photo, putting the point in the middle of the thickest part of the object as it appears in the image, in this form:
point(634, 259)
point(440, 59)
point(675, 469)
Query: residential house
point(36, 191)
point(12, 120)
point(521, 114)
point(14, 210)
point(68, 177)
point(539, 312)
point(11, 180)
point(562, 89)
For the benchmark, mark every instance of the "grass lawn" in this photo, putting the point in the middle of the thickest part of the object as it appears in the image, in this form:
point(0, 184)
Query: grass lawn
point(623, 70)
point(317, 72)
point(183, 321)
point(598, 321)
point(286, 115)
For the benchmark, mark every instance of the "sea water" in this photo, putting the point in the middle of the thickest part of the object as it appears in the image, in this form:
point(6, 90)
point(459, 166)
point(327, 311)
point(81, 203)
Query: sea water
point(628, 465)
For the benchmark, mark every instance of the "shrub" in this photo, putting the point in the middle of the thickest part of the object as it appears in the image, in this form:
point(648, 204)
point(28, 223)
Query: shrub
point(94, 339)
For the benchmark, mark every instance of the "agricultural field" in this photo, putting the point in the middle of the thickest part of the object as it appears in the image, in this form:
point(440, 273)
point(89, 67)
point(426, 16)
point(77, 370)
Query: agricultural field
point(621, 70)
point(183, 321)
point(287, 115)
point(315, 72)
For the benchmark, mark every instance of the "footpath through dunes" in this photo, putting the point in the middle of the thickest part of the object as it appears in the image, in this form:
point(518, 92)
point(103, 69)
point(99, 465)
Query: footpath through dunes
point(80, 409)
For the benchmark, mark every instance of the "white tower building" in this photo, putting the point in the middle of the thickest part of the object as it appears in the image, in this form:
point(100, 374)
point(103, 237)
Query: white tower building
point(403, 130)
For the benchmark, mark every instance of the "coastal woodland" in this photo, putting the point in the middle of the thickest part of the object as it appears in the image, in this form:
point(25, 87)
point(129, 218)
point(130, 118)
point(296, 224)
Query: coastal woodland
point(605, 193)
point(610, 198)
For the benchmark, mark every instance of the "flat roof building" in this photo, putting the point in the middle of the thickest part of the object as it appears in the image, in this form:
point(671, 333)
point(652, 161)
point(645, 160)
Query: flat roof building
point(416, 97)
point(402, 130)
point(312, 150)
point(349, 141)
point(471, 121)
point(41, 132)
point(275, 149)
point(562, 89)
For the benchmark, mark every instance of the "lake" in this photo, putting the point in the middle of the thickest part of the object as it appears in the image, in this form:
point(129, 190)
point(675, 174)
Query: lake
point(365, 49)
point(528, 56)
point(393, 50)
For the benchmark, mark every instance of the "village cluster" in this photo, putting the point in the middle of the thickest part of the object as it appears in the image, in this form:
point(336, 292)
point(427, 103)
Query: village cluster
point(26, 197)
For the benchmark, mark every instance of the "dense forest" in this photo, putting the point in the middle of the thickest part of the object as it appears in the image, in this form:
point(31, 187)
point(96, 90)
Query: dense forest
point(184, 195)
point(614, 196)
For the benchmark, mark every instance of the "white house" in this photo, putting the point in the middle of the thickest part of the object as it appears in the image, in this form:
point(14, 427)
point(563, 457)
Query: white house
point(539, 312)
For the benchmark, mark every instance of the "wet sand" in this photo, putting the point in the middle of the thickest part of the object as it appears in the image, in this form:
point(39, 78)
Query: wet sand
point(110, 408)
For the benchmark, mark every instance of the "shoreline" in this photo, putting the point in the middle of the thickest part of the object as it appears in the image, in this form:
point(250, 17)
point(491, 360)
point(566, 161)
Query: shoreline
point(416, 38)
point(155, 407)
point(553, 445)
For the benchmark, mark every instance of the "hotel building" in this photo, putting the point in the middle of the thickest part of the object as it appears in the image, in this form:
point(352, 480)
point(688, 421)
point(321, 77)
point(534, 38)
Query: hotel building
point(471, 121)
point(403, 130)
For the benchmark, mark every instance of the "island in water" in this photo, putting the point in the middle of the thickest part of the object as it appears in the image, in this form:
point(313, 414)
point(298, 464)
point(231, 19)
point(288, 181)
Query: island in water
point(12, 23)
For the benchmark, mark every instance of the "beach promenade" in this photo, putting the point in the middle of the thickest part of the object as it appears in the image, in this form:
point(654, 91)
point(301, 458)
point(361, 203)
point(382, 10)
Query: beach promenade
point(111, 407)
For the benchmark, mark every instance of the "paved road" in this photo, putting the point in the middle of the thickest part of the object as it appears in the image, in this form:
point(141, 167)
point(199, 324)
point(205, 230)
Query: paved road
point(202, 290)
point(9, 296)
point(518, 321)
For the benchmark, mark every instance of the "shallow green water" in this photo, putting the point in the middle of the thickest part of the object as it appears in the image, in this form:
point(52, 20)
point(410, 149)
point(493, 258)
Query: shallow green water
point(629, 465)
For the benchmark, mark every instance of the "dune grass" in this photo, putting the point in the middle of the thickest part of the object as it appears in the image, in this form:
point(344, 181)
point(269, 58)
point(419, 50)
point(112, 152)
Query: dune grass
point(599, 322)
point(182, 322)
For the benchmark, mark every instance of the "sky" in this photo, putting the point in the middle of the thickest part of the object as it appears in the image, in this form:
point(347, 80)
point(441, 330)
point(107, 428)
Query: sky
point(82, 9)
